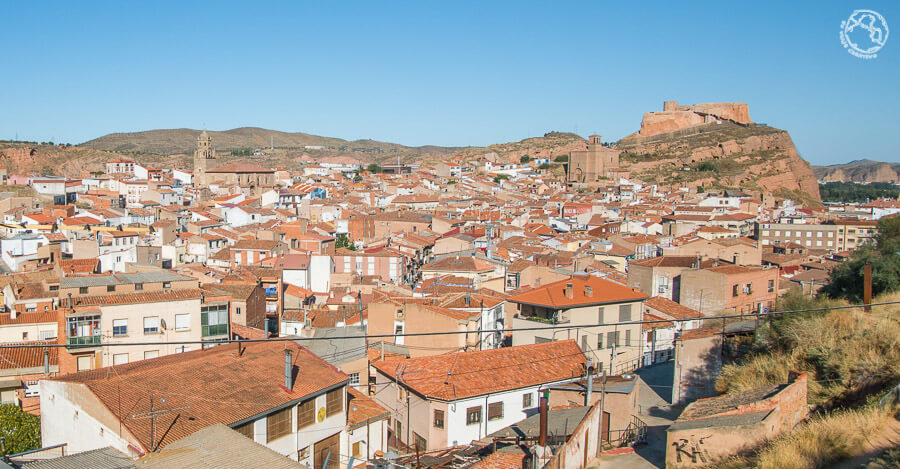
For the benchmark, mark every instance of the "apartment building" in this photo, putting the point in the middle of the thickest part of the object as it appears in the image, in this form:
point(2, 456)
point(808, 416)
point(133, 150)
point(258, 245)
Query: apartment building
point(280, 395)
point(588, 301)
point(730, 289)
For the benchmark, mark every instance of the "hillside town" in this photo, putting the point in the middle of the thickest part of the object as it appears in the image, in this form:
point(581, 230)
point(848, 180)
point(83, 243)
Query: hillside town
point(482, 311)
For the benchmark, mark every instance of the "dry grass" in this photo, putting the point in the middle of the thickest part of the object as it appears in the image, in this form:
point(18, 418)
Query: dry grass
point(820, 442)
point(841, 350)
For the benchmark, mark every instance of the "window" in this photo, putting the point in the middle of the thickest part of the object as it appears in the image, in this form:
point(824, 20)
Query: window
point(54, 287)
point(495, 410)
point(32, 389)
point(354, 379)
point(357, 452)
point(526, 400)
point(182, 322)
point(83, 330)
point(214, 320)
point(438, 419)
point(245, 429)
point(419, 442)
point(771, 286)
point(600, 315)
point(120, 327)
point(82, 290)
point(334, 402)
point(138, 286)
point(749, 288)
point(624, 313)
point(149, 354)
point(84, 363)
point(151, 325)
point(306, 413)
point(182, 349)
point(600, 341)
point(110, 288)
point(167, 284)
point(278, 424)
point(611, 339)
point(473, 415)
point(628, 338)
point(734, 290)
point(237, 310)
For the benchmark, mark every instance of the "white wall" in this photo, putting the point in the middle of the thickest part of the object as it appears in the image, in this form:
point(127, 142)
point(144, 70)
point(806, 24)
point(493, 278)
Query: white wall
point(320, 269)
point(65, 419)
point(458, 432)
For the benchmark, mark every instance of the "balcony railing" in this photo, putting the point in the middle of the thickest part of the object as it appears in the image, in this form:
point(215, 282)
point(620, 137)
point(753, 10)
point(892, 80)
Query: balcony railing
point(543, 320)
point(214, 330)
point(83, 340)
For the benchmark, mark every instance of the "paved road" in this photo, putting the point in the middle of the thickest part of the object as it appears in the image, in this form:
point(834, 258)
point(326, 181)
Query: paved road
point(657, 413)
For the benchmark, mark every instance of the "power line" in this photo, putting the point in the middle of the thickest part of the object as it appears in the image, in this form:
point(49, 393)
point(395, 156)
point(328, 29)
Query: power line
point(746, 316)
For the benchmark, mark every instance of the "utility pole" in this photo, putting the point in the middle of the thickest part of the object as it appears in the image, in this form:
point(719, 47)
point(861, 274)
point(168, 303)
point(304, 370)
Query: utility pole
point(867, 288)
point(602, 409)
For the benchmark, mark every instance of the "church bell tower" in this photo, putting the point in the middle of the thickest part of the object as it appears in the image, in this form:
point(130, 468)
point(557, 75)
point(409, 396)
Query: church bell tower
point(202, 154)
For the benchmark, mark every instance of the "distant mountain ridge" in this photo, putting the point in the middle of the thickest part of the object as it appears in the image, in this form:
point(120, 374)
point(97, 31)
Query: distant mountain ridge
point(175, 141)
point(862, 170)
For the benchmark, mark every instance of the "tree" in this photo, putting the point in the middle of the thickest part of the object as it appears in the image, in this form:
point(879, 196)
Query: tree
point(19, 430)
point(524, 159)
point(706, 166)
point(544, 166)
point(500, 177)
point(884, 256)
point(562, 159)
point(373, 168)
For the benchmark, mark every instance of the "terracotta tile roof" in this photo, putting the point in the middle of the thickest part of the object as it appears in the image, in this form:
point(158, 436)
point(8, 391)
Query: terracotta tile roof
point(240, 168)
point(138, 297)
point(38, 317)
point(256, 244)
point(212, 386)
point(458, 264)
point(670, 308)
point(468, 374)
point(31, 357)
point(505, 459)
point(672, 261)
point(361, 409)
point(601, 292)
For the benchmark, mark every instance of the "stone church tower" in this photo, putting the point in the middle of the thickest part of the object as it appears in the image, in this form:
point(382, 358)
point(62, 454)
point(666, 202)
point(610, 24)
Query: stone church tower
point(202, 154)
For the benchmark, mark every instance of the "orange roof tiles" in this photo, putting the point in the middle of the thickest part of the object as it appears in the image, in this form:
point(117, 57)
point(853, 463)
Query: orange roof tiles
point(212, 386)
point(469, 374)
point(601, 292)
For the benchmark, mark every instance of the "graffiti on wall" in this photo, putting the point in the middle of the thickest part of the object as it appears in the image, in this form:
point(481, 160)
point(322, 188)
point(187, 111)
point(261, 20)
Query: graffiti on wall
point(691, 450)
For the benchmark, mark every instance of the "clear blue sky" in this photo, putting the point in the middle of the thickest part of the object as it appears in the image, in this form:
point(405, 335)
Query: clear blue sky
point(444, 73)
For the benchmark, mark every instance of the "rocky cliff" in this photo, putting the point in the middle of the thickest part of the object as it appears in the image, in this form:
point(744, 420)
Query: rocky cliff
point(864, 171)
point(720, 155)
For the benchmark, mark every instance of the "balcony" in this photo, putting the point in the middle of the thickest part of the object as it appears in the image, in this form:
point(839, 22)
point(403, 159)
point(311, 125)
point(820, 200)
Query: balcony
point(83, 340)
point(214, 330)
point(543, 320)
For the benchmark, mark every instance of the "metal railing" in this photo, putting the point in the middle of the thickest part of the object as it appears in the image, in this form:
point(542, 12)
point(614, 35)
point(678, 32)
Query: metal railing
point(84, 340)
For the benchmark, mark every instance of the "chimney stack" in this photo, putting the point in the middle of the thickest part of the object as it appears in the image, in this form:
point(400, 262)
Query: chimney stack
point(468, 299)
point(568, 291)
point(288, 369)
point(46, 362)
point(542, 438)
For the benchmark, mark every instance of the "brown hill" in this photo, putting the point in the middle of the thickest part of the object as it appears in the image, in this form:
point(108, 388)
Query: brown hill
point(859, 171)
point(719, 156)
point(184, 141)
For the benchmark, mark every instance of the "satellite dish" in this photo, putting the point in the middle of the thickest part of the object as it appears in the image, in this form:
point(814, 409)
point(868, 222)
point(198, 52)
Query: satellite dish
point(162, 323)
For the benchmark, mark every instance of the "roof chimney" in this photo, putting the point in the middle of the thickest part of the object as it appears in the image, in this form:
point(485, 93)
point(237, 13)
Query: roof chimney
point(542, 435)
point(588, 291)
point(568, 291)
point(46, 362)
point(288, 370)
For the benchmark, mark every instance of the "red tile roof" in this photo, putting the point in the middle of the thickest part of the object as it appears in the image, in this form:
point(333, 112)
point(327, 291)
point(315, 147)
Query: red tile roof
point(212, 386)
point(31, 357)
point(468, 374)
point(602, 292)
point(138, 297)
